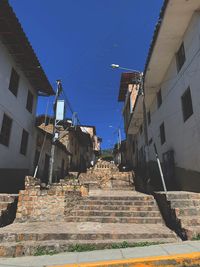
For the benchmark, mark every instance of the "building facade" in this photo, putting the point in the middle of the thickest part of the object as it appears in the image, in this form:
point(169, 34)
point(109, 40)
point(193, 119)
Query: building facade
point(172, 95)
point(167, 116)
point(62, 157)
point(21, 79)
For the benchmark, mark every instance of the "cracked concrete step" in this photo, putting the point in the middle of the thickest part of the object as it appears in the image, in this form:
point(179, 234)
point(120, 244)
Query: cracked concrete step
point(136, 220)
point(116, 202)
point(117, 207)
point(102, 213)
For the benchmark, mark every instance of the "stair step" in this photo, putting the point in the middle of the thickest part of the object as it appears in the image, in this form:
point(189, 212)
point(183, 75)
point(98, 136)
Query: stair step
point(179, 195)
point(117, 202)
point(28, 248)
point(19, 237)
point(122, 198)
point(115, 207)
point(187, 211)
point(103, 213)
point(189, 220)
point(7, 197)
point(4, 205)
point(185, 203)
point(136, 220)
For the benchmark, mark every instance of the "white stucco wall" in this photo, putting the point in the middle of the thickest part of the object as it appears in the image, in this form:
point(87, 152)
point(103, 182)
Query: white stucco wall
point(15, 108)
point(182, 137)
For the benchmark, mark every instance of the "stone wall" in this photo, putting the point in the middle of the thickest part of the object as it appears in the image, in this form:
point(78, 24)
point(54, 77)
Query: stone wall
point(47, 204)
point(104, 175)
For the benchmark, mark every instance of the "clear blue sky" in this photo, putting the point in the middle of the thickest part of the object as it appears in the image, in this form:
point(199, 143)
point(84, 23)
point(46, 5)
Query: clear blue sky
point(77, 40)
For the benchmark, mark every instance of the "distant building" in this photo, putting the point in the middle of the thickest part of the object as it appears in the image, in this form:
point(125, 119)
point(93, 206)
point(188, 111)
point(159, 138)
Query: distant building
point(22, 79)
point(80, 141)
point(43, 146)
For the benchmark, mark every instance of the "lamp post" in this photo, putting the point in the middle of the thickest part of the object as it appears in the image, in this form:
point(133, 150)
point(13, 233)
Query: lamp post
point(141, 91)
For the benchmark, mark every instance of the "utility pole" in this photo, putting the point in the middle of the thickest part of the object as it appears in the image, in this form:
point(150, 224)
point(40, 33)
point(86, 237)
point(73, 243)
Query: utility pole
point(55, 137)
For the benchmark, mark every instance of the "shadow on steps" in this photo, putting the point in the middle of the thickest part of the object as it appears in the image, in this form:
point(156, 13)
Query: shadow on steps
point(169, 215)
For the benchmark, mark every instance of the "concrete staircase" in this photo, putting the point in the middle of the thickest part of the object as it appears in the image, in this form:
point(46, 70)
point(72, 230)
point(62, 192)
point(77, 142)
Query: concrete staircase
point(8, 206)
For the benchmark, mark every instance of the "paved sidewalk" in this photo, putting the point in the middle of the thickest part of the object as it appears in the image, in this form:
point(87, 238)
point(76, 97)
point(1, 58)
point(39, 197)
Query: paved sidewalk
point(103, 255)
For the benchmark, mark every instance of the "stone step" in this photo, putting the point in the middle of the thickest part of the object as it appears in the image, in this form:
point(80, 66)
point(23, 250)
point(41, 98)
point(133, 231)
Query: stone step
point(118, 202)
point(136, 220)
point(4, 205)
point(122, 198)
point(193, 231)
point(187, 211)
point(7, 197)
point(189, 221)
point(115, 207)
point(103, 213)
point(120, 188)
point(181, 195)
point(28, 248)
point(185, 203)
point(19, 237)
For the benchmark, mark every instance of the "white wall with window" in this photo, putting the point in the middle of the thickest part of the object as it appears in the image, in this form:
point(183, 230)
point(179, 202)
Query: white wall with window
point(17, 114)
point(175, 110)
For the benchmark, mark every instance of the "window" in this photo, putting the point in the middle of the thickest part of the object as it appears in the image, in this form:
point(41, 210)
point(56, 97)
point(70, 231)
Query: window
point(24, 142)
point(29, 103)
point(180, 57)
point(5, 130)
point(187, 108)
point(150, 141)
point(159, 98)
point(149, 117)
point(14, 82)
point(133, 147)
point(162, 133)
point(141, 129)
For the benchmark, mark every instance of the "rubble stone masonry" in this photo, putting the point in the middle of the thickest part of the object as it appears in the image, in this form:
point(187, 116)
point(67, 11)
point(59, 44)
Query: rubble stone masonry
point(49, 204)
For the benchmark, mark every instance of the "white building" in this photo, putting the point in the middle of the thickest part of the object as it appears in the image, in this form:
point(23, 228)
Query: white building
point(172, 98)
point(22, 79)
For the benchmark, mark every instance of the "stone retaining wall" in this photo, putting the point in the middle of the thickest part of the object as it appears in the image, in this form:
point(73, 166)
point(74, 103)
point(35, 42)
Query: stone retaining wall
point(47, 204)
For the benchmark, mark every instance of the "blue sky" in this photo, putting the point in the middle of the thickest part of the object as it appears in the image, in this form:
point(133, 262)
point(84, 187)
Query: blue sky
point(77, 40)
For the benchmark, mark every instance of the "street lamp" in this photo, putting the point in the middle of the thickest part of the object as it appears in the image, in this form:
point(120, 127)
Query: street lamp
point(116, 66)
